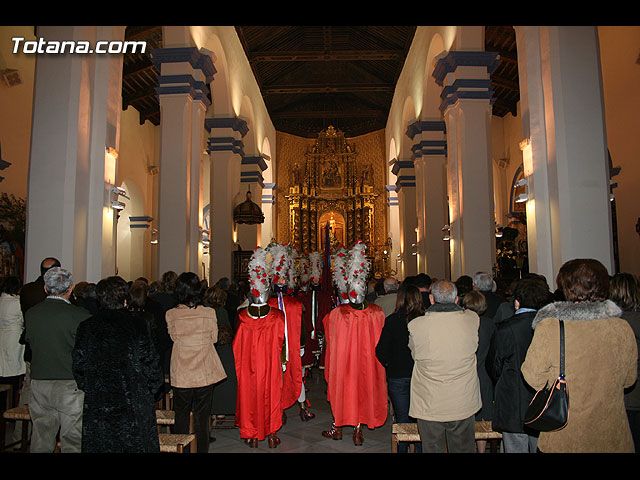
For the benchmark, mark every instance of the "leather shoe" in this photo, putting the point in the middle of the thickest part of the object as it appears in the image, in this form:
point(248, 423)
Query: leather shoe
point(334, 432)
point(306, 415)
point(273, 441)
point(252, 442)
point(358, 437)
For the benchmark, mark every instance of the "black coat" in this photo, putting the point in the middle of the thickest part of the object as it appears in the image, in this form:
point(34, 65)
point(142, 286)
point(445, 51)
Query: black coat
point(507, 352)
point(392, 349)
point(117, 367)
point(493, 302)
point(486, 332)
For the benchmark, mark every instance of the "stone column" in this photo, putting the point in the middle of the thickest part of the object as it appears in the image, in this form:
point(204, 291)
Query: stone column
point(73, 159)
point(406, 191)
point(429, 153)
point(466, 107)
point(225, 150)
point(182, 89)
point(565, 147)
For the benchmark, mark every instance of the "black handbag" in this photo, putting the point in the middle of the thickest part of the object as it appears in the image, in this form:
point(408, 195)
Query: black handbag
point(549, 408)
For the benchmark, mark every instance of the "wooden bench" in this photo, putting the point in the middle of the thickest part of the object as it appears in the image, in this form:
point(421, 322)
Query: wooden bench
point(408, 432)
point(16, 414)
point(175, 443)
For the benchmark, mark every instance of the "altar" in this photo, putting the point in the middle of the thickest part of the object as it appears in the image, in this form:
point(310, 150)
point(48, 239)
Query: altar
point(331, 184)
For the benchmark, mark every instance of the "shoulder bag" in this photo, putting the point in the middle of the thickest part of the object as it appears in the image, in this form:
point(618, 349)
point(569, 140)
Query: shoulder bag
point(549, 408)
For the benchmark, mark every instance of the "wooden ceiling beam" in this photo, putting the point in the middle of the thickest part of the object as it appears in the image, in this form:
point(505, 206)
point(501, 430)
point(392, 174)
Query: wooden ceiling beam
point(340, 56)
point(331, 113)
point(355, 88)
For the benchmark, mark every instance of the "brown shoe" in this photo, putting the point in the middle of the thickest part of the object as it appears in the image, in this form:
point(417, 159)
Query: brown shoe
point(358, 437)
point(306, 415)
point(334, 432)
point(273, 440)
point(252, 442)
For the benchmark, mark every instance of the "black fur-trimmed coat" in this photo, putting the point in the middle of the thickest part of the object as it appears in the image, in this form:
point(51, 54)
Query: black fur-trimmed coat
point(118, 368)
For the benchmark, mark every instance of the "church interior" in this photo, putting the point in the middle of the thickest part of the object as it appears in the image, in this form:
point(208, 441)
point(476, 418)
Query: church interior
point(448, 150)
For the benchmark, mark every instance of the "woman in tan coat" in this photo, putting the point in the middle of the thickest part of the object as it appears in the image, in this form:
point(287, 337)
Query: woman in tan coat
point(195, 365)
point(600, 362)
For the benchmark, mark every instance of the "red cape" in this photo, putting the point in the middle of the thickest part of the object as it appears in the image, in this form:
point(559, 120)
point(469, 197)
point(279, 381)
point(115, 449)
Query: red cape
point(292, 376)
point(356, 380)
point(257, 348)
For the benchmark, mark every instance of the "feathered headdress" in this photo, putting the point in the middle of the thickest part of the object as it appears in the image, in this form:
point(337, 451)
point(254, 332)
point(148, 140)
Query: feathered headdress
point(304, 269)
point(315, 262)
point(292, 272)
point(357, 271)
point(258, 266)
point(279, 265)
point(339, 272)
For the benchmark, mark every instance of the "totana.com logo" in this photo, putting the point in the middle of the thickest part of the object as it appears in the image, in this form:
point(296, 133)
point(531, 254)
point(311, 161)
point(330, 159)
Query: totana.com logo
point(20, 45)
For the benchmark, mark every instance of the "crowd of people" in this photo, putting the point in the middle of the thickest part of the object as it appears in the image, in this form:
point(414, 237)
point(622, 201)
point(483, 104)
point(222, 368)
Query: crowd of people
point(92, 361)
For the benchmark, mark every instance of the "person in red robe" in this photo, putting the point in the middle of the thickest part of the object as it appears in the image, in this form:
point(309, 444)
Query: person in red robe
point(257, 349)
point(293, 386)
point(356, 380)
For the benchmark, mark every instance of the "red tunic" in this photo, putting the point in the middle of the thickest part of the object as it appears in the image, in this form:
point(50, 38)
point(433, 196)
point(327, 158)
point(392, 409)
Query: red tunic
point(292, 377)
point(356, 380)
point(257, 348)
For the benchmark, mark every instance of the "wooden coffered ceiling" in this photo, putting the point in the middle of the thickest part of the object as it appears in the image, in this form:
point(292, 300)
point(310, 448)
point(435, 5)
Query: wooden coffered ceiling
point(315, 76)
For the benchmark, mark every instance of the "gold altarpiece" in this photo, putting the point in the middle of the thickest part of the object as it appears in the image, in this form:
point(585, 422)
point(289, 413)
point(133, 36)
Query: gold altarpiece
point(331, 184)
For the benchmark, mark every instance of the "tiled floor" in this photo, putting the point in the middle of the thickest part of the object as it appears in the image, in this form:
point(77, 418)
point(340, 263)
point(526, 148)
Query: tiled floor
point(306, 437)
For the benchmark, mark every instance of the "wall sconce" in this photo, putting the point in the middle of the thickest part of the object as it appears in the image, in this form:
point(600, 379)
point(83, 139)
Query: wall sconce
point(116, 205)
point(523, 182)
point(154, 236)
point(523, 197)
point(498, 230)
point(612, 197)
point(447, 233)
point(120, 191)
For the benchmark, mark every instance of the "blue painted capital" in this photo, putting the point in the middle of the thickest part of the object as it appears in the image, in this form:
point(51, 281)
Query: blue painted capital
point(455, 59)
point(189, 55)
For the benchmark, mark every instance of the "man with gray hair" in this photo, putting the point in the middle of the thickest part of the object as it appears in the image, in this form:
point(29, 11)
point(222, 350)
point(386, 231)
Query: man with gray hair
point(484, 283)
point(388, 301)
point(56, 402)
point(445, 390)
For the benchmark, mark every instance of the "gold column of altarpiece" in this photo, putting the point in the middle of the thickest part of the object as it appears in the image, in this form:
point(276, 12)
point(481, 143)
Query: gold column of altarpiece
point(329, 185)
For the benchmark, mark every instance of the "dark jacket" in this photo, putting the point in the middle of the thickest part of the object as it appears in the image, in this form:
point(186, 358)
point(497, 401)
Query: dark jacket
point(493, 302)
point(507, 352)
point(31, 294)
point(632, 394)
point(117, 367)
point(486, 332)
point(393, 346)
point(50, 329)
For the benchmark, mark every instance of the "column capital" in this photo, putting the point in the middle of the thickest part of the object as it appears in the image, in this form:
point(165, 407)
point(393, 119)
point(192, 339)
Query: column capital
point(190, 55)
point(454, 59)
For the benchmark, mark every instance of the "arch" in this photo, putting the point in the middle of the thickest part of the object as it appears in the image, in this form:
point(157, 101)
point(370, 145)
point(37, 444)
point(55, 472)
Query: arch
point(131, 245)
point(220, 91)
point(431, 90)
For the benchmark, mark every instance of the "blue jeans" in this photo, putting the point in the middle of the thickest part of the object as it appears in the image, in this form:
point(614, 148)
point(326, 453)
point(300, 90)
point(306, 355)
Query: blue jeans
point(400, 394)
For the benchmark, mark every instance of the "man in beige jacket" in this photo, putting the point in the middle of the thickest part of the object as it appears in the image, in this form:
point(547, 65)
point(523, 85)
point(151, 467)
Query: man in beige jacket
point(445, 391)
